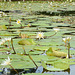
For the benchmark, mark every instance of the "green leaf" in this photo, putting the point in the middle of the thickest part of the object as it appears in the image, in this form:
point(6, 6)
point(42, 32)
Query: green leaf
point(61, 65)
point(37, 74)
point(3, 27)
point(57, 66)
point(51, 52)
point(26, 42)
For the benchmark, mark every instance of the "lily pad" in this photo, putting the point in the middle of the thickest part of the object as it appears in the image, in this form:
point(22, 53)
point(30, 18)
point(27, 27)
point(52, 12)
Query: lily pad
point(26, 42)
point(37, 74)
point(52, 52)
point(57, 66)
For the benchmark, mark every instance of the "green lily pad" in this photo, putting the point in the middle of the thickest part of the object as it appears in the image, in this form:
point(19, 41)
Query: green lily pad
point(3, 27)
point(41, 48)
point(37, 74)
point(52, 52)
point(57, 66)
point(26, 42)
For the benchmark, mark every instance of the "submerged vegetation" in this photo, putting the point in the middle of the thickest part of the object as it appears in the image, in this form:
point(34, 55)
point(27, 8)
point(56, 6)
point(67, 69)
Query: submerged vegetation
point(36, 34)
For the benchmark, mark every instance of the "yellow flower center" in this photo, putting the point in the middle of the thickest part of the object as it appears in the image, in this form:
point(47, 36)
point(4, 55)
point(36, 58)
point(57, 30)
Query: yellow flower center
point(18, 22)
point(7, 63)
point(40, 35)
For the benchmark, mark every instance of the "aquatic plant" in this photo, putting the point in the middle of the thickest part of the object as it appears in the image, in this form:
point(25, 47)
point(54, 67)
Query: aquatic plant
point(40, 35)
point(67, 45)
point(8, 62)
point(19, 22)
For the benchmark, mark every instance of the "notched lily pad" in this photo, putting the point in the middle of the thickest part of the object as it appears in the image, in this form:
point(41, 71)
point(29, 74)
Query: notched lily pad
point(52, 52)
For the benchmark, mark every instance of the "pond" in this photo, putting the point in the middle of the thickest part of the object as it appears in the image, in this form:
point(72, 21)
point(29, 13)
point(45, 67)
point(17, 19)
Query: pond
point(37, 38)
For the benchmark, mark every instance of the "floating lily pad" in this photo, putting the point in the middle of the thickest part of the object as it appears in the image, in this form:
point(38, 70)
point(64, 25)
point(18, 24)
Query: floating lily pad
point(3, 27)
point(52, 52)
point(57, 66)
point(37, 74)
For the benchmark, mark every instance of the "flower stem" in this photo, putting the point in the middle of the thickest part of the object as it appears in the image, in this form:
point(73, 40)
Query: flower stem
point(33, 61)
point(14, 69)
point(53, 34)
point(13, 46)
point(21, 25)
point(68, 50)
point(65, 45)
point(24, 50)
point(9, 44)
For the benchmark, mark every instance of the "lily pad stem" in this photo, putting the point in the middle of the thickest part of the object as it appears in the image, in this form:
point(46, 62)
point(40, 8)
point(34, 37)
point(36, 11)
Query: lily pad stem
point(14, 69)
point(9, 44)
point(13, 46)
point(53, 34)
point(21, 25)
point(9, 23)
point(68, 50)
point(65, 45)
point(24, 50)
point(33, 61)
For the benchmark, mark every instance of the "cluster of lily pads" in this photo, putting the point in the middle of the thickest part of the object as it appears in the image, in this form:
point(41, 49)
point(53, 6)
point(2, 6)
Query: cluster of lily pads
point(36, 40)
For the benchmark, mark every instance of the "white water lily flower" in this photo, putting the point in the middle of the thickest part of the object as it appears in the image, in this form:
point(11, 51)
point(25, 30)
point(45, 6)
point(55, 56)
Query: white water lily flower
point(64, 39)
point(40, 35)
point(68, 38)
point(18, 21)
point(6, 62)
point(56, 29)
point(7, 39)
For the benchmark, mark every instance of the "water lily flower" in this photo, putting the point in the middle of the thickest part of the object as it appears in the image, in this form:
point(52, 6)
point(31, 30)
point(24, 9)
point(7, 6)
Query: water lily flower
point(18, 21)
point(8, 39)
point(56, 29)
point(64, 39)
point(40, 35)
point(68, 39)
point(6, 62)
